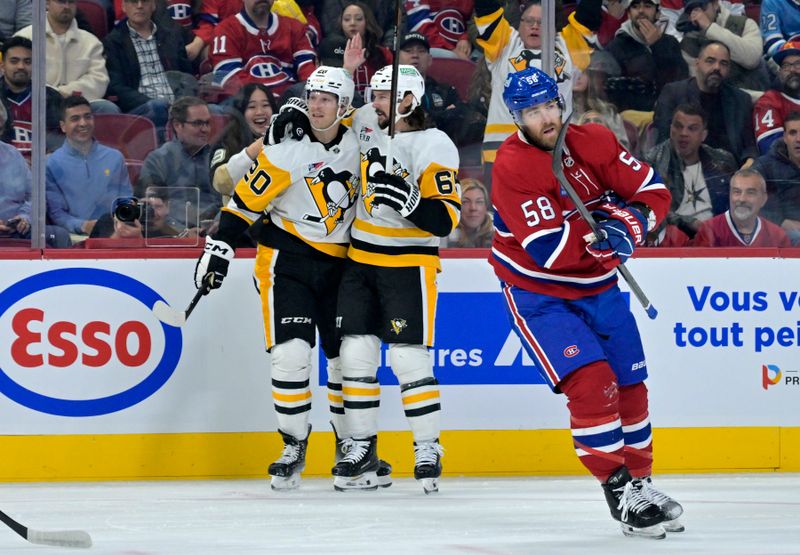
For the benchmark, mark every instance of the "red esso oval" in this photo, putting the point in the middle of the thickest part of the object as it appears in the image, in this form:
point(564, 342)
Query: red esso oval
point(93, 344)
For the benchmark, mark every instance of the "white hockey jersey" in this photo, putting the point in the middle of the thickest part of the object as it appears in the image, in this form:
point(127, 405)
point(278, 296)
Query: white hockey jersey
point(306, 190)
point(380, 235)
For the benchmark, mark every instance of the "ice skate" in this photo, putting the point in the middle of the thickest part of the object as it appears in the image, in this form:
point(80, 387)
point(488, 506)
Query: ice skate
point(637, 516)
point(358, 468)
point(384, 472)
point(286, 470)
point(672, 509)
point(428, 464)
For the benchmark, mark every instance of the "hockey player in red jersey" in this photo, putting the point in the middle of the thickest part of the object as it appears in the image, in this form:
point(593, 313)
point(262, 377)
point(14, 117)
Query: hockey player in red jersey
point(559, 283)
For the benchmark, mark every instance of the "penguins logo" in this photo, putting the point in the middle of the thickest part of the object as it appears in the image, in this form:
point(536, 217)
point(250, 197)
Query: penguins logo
point(333, 193)
point(372, 162)
point(398, 325)
point(526, 58)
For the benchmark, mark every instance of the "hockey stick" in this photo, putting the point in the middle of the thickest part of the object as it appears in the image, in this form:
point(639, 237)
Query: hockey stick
point(55, 538)
point(558, 170)
point(389, 166)
point(177, 318)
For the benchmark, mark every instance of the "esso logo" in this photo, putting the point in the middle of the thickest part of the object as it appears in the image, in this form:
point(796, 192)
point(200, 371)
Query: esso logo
point(83, 342)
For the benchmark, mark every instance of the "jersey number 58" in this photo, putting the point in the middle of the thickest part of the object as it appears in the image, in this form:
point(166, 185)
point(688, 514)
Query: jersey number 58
point(538, 210)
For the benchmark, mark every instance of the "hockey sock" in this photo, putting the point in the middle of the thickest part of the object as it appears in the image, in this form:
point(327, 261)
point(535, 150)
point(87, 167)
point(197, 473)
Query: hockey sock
point(291, 393)
point(335, 398)
point(418, 388)
point(636, 429)
point(361, 392)
point(593, 403)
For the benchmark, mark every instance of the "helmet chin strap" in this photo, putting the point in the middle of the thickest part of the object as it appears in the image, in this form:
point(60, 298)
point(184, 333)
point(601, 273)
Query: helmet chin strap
point(339, 118)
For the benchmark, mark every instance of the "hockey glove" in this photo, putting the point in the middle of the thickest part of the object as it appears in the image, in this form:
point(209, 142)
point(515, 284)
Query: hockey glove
point(291, 121)
point(212, 266)
point(622, 230)
point(395, 192)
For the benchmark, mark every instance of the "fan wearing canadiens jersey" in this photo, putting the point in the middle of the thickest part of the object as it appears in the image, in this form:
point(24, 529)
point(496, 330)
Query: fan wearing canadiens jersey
point(559, 282)
point(305, 190)
point(258, 46)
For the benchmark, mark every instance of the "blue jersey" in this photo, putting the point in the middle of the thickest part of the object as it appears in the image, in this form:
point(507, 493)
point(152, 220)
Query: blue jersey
point(780, 21)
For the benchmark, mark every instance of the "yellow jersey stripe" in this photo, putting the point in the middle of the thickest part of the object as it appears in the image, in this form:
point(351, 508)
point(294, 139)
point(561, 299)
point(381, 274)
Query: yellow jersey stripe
point(358, 392)
point(497, 41)
point(332, 249)
point(239, 214)
point(367, 227)
point(263, 268)
point(394, 260)
point(291, 398)
point(411, 399)
point(432, 296)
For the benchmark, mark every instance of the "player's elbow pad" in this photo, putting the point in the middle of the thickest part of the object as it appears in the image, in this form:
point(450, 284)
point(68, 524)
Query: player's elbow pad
point(231, 227)
point(432, 216)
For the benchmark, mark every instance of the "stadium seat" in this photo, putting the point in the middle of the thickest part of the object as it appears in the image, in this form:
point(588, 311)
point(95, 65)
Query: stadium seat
point(134, 136)
point(453, 71)
point(96, 15)
point(134, 169)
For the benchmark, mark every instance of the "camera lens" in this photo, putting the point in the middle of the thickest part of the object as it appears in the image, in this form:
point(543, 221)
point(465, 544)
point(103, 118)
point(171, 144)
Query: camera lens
point(128, 210)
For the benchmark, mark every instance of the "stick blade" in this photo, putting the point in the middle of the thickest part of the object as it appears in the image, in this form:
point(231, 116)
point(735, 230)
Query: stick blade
point(169, 315)
point(60, 538)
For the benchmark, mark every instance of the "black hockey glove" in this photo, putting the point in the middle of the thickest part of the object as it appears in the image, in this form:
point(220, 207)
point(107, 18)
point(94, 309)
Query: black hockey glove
point(395, 192)
point(212, 266)
point(291, 121)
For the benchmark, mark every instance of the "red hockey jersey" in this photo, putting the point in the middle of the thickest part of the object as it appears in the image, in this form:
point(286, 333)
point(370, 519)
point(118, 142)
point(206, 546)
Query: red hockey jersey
point(443, 22)
point(539, 243)
point(19, 112)
point(720, 231)
point(212, 12)
point(277, 56)
point(769, 112)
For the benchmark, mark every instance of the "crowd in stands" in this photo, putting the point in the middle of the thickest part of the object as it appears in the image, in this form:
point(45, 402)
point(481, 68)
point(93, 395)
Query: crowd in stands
point(167, 101)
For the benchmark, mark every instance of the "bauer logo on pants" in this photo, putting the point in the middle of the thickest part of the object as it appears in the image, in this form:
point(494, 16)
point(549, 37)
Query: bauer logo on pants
point(67, 356)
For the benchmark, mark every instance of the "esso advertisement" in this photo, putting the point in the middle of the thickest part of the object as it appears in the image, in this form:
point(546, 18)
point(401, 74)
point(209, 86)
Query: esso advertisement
point(83, 342)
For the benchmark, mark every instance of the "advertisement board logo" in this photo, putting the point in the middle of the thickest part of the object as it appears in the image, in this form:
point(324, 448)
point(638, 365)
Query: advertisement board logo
point(83, 342)
point(772, 375)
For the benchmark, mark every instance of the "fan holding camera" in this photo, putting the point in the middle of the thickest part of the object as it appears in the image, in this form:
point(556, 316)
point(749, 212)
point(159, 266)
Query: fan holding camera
point(134, 218)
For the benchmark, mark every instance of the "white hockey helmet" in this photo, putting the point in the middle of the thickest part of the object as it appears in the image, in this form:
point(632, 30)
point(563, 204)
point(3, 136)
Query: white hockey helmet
point(333, 80)
point(409, 80)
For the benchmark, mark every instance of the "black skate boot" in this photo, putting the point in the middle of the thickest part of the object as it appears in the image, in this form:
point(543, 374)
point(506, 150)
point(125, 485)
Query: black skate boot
point(637, 516)
point(358, 467)
point(428, 464)
point(672, 509)
point(286, 470)
point(384, 472)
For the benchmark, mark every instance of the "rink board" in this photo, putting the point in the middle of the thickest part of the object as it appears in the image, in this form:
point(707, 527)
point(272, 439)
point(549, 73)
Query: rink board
point(92, 386)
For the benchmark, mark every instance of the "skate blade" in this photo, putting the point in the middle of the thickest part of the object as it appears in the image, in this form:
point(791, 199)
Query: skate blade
point(655, 532)
point(364, 482)
point(430, 485)
point(285, 483)
point(673, 525)
point(384, 481)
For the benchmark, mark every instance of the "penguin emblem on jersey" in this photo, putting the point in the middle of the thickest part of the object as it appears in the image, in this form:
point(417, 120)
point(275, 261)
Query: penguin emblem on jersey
point(372, 162)
point(333, 193)
point(398, 325)
point(525, 58)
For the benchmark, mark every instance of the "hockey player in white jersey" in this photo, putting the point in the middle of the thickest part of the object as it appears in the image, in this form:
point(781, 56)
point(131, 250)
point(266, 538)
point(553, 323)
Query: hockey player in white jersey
point(305, 191)
point(388, 291)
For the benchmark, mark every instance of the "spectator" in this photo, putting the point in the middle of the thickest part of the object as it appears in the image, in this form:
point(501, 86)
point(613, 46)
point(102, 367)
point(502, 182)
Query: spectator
point(14, 15)
point(740, 225)
point(443, 23)
point(258, 46)
point(178, 15)
point(648, 57)
point(475, 229)
point(441, 102)
point(357, 19)
point(509, 50)
point(243, 138)
point(83, 177)
point(330, 16)
point(210, 14)
point(781, 170)
point(780, 21)
point(152, 222)
point(139, 57)
point(15, 197)
point(729, 110)
point(182, 164)
point(75, 62)
point(709, 20)
point(771, 109)
point(588, 94)
point(696, 174)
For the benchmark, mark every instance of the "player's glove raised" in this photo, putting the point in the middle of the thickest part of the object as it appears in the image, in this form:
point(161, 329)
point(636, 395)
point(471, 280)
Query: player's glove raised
point(622, 230)
point(394, 191)
point(291, 121)
point(212, 266)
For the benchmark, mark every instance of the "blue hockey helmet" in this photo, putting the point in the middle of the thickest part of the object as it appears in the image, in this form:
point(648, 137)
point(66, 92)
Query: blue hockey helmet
point(526, 88)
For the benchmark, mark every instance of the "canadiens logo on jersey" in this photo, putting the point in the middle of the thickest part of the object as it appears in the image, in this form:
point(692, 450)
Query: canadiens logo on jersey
point(450, 24)
point(526, 58)
point(372, 162)
point(398, 325)
point(181, 12)
point(333, 193)
point(268, 70)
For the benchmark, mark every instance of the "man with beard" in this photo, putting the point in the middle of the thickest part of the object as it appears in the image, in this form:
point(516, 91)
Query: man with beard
point(741, 226)
point(697, 175)
point(771, 109)
point(781, 170)
point(559, 283)
point(649, 58)
point(728, 109)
